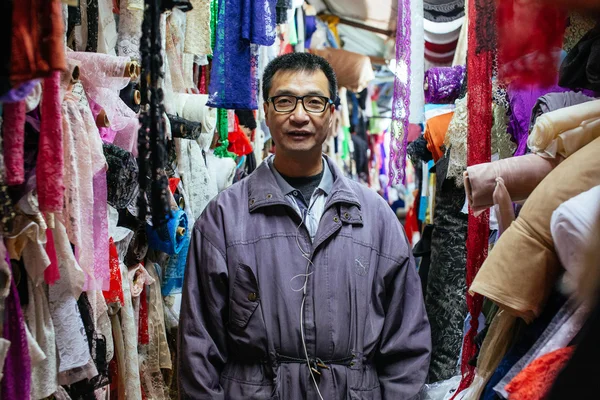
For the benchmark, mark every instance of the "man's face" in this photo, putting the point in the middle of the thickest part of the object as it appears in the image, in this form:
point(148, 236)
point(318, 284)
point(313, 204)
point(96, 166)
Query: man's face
point(299, 131)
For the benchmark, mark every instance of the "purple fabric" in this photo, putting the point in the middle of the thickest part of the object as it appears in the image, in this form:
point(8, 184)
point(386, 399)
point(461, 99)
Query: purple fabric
point(16, 383)
point(401, 101)
point(310, 27)
point(444, 84)
point(364, 315)
point(19, 93)
point(242, 24)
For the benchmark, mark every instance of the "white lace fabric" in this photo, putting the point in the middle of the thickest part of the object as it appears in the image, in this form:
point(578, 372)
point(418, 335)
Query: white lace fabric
point(198, 29)
point(130, 28)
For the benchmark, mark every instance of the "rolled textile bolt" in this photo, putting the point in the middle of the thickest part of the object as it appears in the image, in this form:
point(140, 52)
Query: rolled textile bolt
point(75, 74)
point(130, 69)
point(181, 231)
point(102, 120)
point(137, 97)
point(138, 69)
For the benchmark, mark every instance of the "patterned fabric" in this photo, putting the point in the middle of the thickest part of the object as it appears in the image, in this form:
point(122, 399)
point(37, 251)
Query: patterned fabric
point(446, 286)
point(400, 104)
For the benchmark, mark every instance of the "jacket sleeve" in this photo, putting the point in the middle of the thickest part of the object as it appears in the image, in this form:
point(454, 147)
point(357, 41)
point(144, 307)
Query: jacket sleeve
point(403, 357)
point(202, 338)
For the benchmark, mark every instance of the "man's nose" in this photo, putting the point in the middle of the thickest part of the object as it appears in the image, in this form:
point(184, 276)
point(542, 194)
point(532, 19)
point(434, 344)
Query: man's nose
point(300, 115)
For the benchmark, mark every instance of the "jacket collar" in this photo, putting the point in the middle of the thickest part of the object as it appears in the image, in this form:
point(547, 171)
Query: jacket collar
point(263, 190)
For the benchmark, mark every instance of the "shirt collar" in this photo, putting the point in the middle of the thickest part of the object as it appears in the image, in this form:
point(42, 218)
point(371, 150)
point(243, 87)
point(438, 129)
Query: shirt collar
point(325, 185)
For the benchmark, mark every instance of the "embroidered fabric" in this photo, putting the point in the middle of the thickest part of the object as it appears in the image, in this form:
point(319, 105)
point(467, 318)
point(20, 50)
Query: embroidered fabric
point(122, 176)
point(44, 376)
point(102, 322)
point(479, 102)
point(443, 84)
point(130, 29)
point(83, 160)
point(155, 355)
point(71, 341)
point(100, 218)
point(13, 146)
point(577, 27)
point(198, 29)
point(107, 28)
point(16, 383)
point(401, 100)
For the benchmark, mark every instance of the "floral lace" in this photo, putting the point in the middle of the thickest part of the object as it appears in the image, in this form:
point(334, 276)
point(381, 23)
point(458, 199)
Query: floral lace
point(13, 146)
point(198, 29)
point(44, 375)
point(71, 340)
point(107, 28)
point(49, 169)
point(130, 30)
point(100, 218)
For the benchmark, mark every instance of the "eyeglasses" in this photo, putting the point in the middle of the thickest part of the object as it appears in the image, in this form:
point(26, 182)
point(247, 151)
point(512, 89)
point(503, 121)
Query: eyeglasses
point(312, 104)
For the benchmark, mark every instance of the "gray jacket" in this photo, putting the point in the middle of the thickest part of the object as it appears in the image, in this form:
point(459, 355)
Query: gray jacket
point(364, 317)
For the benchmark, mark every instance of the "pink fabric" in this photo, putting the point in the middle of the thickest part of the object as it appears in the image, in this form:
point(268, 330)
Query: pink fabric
point(520, 175)
point(51, 273)
point(14, 139)
point(49, 170)
point(107, 134)
point(101, 238)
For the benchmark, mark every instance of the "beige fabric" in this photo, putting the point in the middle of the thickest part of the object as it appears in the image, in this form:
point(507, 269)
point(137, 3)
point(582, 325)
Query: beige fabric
point(520, 174)
point(354, 71)
point(523, 266)
point(197, 28)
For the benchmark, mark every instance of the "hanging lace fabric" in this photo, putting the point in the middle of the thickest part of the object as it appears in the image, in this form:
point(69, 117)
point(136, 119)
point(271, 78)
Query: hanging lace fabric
point(198, 28)
point(152, 143)
point(401, 100)
point(131, 15)
point(240, 23)
point(479, 86)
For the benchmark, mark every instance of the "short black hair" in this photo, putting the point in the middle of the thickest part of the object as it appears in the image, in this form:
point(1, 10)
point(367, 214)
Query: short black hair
point(299, 62)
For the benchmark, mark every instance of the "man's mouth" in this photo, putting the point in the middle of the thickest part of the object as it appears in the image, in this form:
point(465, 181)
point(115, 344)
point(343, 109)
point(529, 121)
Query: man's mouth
point(299, 133)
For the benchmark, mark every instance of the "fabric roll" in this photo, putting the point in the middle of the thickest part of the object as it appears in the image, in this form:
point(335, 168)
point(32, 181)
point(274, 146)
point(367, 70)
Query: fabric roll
point(128, 95)
point(521, 175)
point(549, 126)
point(193, 108)
point(443, 84)
point(555, 101)
point(167, 238)
point(580, 68)
point(572, 227)
point(183, 128)
point(524, 291)
point(122, 176)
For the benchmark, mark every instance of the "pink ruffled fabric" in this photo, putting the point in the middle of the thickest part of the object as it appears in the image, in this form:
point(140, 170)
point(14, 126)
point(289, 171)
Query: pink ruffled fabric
point(14, 139)
point(49, 170)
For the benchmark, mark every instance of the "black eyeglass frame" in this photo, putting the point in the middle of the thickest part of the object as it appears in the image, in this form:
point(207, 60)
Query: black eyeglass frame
point(272, 99)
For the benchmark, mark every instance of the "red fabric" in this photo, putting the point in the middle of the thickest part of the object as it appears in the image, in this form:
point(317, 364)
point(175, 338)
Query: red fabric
point(14, 138)
point(113, 372)
point(414, 131)
point(441, 48)
point(203, 82)
point(535, 381)
point(239, 143)
point(51, 274)
point(143, 334)
point(411, 225)
point(49, 170)
point(115, 289)
point(479, 101)
point(530, 35)
point(173, 182)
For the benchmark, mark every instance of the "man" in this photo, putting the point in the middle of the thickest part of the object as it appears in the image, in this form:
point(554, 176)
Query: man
point(300, 282)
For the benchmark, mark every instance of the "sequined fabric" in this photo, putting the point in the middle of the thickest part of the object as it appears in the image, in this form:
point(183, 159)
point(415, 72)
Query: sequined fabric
point(443, 84)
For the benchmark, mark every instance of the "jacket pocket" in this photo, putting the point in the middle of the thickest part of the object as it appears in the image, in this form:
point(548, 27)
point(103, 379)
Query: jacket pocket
point(245, 297)
point(365, 394)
